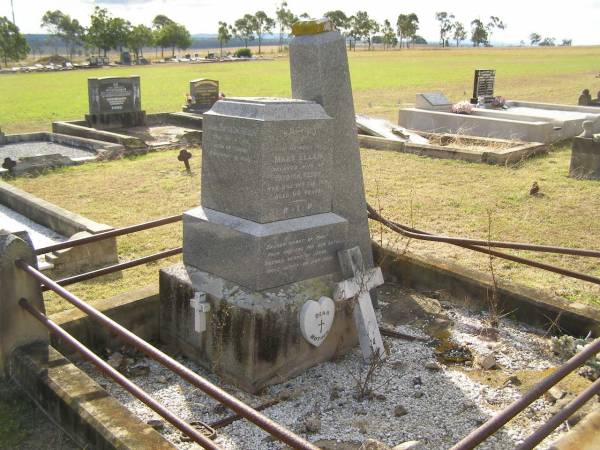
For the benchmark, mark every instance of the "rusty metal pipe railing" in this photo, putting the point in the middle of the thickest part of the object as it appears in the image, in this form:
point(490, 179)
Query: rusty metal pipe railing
point(541, 433)
point(117, 267)
point(477, 436)
point(270, 426)
point(421, 235)
point(119, 378)
point(109, 234)
point(416, 234)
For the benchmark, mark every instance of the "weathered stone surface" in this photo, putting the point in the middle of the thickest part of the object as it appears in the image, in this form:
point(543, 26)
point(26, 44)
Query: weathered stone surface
point(261, 256)
point(17, 326)
point(79, 405)
point(266, 159)
point(319, 71)
point(253, 338)
point(585, 158)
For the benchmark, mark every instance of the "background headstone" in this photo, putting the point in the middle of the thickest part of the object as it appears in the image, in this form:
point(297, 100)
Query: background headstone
point(433, 101)
point(204, 94)
point(115, 102)
point(585, 155)
point(483, 85)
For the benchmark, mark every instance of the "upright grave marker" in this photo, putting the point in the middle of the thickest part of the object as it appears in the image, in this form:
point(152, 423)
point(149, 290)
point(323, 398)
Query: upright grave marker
point(319, 69)
point(281, 199)
point(115, 102)
point(483, 86)
point(204, 93)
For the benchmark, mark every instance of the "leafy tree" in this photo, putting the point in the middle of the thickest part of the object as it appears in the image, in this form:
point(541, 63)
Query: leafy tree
point(389, 35)
point(224, 34)
point(494, 23)
point(446, 24)
point(460, 33)
point(548, 42)
point(479, 33)
point(245, 28)
point(407, 26)
point(100, 34)
point(341, 22)
point(338, 18)
point(140, 36)
point(566, 42)
point(262, 24)
point(174, 35)
point(535, 38)
point(364, 27)
point(13, 45)
point(158, 23)
point(62, 27)
point(285, 19)
point(120, 29)
point(419, 40)
point(161, 21)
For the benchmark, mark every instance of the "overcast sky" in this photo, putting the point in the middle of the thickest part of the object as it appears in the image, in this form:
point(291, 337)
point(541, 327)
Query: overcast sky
point(575, 19)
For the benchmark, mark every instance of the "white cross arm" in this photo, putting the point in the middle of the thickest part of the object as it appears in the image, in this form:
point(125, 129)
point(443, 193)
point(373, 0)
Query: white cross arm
point(361, 281)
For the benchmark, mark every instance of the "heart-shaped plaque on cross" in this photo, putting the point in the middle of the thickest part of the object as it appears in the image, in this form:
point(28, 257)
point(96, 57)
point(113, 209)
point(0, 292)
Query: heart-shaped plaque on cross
point(316, 319)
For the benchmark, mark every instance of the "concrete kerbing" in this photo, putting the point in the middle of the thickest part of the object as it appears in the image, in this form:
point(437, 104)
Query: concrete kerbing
point(506, 156)
point(524, 304)
point(81, 129)
point(584, 436)
point(66, 223)
point(137, 310)
point(79, 405)
point(45, 213)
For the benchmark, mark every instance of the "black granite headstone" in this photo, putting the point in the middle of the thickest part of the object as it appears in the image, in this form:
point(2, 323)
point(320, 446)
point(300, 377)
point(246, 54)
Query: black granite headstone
point(115, 102)
point(483, 86)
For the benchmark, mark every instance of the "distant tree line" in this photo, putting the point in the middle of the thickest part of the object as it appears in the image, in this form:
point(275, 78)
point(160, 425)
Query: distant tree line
point(107, 32)
point(537, 39)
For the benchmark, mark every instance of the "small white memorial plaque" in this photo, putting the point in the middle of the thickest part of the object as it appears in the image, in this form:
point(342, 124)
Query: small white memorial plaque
point(316, 319)
point(200, 307)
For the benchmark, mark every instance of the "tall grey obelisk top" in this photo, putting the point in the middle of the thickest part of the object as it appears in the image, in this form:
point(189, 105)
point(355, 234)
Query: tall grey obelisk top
point(319, 71)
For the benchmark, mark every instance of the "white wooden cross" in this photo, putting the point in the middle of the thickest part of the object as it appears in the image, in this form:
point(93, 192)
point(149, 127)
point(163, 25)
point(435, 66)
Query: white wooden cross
point(358, 285)
point(200, 306)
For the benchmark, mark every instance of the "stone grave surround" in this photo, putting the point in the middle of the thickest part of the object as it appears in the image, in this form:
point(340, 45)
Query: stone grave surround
point(115, 102)
point(277, 263)
point(204, 94)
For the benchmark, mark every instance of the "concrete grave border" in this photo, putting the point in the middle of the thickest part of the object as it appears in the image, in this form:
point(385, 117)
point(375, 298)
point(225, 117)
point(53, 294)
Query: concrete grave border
point(65, 223)
point(36, 163)
point(79, 128)
point(519, 152)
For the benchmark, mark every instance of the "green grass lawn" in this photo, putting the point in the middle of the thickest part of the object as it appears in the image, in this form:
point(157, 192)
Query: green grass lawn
point(381, 81)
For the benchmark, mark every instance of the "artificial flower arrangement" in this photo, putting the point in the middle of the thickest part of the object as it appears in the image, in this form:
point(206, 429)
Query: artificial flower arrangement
point(498, 102)
point(463, 107)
